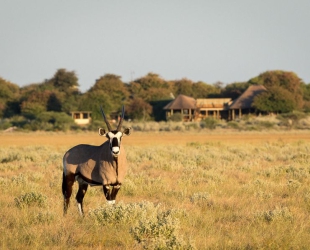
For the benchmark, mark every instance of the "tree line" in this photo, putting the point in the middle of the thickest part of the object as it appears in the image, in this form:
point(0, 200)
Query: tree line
point(54, 98)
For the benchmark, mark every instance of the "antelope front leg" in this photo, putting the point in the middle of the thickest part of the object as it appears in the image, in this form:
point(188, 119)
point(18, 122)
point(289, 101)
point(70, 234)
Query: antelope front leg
point(110, 193)
point(107, 193)
point(114, 192)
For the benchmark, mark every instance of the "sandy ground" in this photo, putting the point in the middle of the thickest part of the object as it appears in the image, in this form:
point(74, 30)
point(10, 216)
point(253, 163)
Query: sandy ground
point(151, 138)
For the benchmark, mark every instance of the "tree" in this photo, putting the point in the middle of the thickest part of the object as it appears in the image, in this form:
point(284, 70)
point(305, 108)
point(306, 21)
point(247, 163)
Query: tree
point(65, 81)
point(9, 94)
point(306, 96)
point(203, 90)
point(35, 103)
point(92, 100)
point(53, 103)
point(114, 88)
point(184, 87)
point(282, 80)
point(150, 88)
point(138, 109)
point(65, 85)
point(276, 99)
point(234, 90)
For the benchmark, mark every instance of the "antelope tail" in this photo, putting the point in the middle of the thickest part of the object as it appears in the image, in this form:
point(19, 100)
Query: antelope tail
point(64, 189)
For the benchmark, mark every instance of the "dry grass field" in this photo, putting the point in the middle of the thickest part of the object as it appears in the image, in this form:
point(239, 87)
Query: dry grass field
point(187, 190)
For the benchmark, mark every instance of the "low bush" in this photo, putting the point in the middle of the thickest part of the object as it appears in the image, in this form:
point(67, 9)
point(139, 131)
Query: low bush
point(159, 231)
point(31, 198)
point(177, 117)
point(152, 227)
point(122, 213)
point(209, 123)
point(233, 124)
point(5, 124)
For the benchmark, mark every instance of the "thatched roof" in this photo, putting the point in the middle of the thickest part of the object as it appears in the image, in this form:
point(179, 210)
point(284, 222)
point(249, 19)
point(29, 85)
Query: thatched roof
point(182, 102)
point(246, 99)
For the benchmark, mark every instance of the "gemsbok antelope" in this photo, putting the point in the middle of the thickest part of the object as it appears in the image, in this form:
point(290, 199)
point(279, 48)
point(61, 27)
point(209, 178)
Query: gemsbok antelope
point(103, 165)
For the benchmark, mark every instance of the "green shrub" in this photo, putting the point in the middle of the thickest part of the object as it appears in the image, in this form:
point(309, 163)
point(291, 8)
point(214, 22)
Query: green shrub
point(5, 124)
point(202, 199)
point(12, 156)
point(279, 213)
point(192, 125)
point(60, 121)
point(295, 116)
point(95, 124)
point(291, 119)
point(233, 124)
point(122, 213)
point(266, 124)
point(209, 123)
point(44, 217)
point(19, 179)
point(31, 198)
point(18, 121)
point(177, 117)
point(152, 228)
point(160, 231)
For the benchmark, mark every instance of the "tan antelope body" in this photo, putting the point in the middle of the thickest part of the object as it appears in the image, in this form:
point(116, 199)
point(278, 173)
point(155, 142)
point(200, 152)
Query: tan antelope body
point(103, 165)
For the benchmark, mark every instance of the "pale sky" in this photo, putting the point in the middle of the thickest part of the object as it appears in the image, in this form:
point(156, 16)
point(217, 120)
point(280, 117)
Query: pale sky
point(202, 40)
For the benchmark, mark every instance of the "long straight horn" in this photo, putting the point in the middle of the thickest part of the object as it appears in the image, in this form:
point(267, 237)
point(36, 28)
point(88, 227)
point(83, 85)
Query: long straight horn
point(105, 119)
point(119, 127)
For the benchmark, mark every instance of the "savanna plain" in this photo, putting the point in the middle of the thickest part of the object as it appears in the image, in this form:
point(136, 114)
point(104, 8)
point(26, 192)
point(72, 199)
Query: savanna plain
point(184, 190)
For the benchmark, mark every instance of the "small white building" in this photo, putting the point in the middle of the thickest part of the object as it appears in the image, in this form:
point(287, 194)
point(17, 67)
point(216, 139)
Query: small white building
point(81, 117)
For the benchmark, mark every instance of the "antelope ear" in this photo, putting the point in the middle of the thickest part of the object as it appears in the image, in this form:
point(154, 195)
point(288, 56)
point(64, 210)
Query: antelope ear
point(127, 131)
point(102, 132)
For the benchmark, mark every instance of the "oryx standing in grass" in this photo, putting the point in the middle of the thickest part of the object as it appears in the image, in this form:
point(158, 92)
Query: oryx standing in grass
point(103, 165)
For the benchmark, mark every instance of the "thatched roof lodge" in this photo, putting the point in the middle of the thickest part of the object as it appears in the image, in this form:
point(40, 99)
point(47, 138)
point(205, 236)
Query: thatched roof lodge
point(218, 108)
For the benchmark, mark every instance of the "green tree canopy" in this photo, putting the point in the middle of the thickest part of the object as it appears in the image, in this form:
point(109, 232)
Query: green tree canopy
point(34, 103)
point(9, 94)
point(306, 96)
point(276, 99)
point(114, 89)
point(8, 90)
point(92, 100)
point(65, 81)
point(138, 109)
point(280, 81)
point(204, 90)
point(184, 87)
point(150, 88)
point(234, 90)
point(60, 93)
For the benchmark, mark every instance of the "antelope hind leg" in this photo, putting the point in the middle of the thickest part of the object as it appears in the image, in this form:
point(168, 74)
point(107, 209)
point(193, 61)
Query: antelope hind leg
point(67, 183)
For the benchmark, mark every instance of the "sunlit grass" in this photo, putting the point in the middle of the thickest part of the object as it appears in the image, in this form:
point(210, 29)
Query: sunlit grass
point(204, 195)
